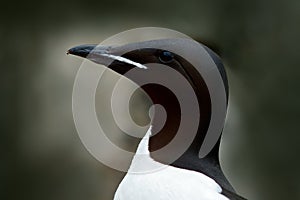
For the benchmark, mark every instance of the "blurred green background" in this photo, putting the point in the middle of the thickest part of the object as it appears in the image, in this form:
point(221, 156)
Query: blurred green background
point(42, 156)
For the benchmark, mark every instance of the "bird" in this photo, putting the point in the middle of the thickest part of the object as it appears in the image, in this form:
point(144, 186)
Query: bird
point(189, 176)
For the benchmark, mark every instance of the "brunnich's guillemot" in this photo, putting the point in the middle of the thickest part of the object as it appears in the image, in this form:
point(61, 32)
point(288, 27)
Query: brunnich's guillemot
point(190, 176)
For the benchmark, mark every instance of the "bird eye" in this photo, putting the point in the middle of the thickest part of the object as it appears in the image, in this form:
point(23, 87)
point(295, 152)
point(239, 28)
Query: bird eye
point(166, 57)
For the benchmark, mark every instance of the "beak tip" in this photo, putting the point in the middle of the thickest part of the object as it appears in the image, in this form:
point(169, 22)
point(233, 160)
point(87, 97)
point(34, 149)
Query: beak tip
point(81, 50)
point(70, 51)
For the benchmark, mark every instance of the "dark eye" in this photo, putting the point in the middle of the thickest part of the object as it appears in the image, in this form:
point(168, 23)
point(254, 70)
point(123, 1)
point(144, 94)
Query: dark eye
point(166, 57)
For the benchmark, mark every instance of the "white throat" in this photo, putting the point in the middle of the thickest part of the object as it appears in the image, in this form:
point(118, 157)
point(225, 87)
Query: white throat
point(142, 162)
point(150, 180)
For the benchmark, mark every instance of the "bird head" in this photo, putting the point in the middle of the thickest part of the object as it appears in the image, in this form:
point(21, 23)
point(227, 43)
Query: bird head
point(200, 67)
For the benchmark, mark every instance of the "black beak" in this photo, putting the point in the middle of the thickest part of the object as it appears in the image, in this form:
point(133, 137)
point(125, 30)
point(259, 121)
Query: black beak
point(96, 53)
point(82, 50)
point(105, 55)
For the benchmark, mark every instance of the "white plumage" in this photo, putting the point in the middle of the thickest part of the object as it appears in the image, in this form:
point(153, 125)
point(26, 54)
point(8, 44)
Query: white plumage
point(166, 182)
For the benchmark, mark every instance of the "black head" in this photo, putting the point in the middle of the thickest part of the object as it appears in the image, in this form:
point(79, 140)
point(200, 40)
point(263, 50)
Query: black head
point(208, 80)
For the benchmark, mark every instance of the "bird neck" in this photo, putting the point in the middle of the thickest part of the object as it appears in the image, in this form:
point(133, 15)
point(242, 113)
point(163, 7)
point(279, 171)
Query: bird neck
point(210, 166)
point(160, 137)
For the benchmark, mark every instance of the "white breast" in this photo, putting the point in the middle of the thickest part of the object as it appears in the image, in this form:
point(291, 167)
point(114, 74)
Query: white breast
point(167, 183)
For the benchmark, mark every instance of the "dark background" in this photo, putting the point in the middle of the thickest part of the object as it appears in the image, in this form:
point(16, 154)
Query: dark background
point(41, 154)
